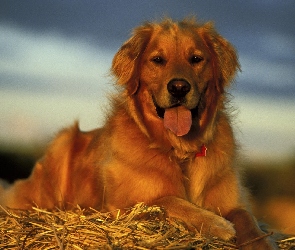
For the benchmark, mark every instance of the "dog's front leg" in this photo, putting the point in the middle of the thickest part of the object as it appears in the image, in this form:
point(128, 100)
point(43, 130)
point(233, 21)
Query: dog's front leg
point(204, 221)
point(249, 235)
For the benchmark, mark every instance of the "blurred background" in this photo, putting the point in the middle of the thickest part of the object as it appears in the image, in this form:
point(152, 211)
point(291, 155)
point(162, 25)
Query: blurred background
point(55, 57)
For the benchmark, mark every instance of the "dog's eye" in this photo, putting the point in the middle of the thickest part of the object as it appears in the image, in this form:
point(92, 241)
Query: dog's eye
point(196, 59)
point(158, 60)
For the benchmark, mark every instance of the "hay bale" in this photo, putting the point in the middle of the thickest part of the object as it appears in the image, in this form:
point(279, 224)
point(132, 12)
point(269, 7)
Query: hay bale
point(143, 227)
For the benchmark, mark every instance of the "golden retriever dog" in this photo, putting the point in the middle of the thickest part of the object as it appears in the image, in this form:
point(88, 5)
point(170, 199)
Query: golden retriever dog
point(167, 141)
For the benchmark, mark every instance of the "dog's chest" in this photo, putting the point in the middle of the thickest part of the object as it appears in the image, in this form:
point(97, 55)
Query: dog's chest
point(194, 179)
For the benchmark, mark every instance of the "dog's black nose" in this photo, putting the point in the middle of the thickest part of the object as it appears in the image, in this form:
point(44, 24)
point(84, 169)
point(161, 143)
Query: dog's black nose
point(178, 88)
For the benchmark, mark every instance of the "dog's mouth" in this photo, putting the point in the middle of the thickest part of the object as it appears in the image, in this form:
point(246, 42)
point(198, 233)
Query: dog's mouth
point(161, 111)
point(177, 117)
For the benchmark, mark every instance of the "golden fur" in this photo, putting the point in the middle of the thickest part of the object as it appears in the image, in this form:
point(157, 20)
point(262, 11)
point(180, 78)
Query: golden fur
point(135, 157)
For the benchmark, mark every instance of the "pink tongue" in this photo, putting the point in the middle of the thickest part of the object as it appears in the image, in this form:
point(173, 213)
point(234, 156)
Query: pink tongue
point(178, 120)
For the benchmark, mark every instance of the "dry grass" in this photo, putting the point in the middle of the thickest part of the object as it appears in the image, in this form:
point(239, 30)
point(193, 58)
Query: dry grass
point(142, 227)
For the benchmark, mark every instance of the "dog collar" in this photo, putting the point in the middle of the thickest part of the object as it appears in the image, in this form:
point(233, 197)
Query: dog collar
point(203, 151)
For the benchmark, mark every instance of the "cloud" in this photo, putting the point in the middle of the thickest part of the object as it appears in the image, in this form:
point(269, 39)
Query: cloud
point(49, 57)
point(47, 81)
point(264, 72)
point(30, 117)
point(268, 64)
point(277, 45)
point(267, 126)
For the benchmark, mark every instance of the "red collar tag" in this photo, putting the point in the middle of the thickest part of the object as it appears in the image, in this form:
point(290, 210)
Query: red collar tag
point(203, 151)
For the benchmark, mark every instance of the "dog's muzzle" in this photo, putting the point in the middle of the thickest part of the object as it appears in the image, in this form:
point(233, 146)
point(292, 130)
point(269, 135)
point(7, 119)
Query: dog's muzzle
point(177, 118)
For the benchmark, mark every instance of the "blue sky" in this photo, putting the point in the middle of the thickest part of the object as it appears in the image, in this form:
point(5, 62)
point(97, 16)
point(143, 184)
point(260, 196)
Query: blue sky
point(55, 58)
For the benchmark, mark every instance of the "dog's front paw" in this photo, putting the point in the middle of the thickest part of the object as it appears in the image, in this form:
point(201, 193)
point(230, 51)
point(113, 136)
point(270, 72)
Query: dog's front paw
point(212, 225)
point(219, 227)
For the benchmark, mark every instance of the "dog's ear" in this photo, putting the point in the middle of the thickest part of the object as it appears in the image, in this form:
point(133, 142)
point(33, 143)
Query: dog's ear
point(126, 61)
point(225, 58)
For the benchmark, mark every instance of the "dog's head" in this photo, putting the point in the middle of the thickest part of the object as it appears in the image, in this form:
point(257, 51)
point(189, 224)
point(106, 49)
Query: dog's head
point(179, 70)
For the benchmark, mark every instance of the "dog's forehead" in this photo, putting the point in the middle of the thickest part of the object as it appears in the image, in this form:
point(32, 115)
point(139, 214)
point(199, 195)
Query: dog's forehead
point(175, 37)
